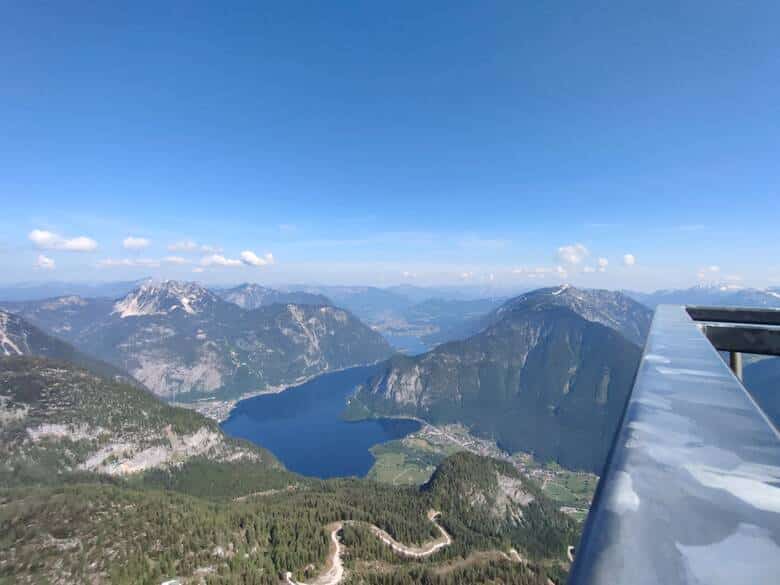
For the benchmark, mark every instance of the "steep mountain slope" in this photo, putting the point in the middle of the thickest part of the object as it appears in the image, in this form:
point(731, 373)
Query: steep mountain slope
point(183, 341)
point(57, 418)
point(252, 296)
point(19, 337)
point(609, 308)
point(550, 375)
point(492, 498)
point(721, 295)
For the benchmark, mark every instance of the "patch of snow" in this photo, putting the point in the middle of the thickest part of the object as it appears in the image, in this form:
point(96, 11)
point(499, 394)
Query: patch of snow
point(160, 299)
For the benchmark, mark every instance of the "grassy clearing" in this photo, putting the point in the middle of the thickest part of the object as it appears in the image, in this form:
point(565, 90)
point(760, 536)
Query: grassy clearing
point(407, 462)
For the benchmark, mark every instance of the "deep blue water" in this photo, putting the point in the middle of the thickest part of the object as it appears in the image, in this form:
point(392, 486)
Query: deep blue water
point(408, 344)
point(302, 426)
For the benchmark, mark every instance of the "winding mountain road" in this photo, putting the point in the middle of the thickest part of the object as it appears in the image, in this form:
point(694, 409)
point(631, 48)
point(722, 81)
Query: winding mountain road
point(334, 566)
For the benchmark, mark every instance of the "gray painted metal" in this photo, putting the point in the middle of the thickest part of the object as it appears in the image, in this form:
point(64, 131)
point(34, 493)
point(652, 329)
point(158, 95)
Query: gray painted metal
point(735, 315)
point(760, 340)
point(691, 490)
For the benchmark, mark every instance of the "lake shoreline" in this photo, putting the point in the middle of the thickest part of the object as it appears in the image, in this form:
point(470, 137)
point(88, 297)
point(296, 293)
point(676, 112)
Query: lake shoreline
point(220, 410)
point(305, 429)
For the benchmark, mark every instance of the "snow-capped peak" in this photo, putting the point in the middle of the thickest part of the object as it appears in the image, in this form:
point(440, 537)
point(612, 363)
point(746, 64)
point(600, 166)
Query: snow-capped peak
point(163, 298)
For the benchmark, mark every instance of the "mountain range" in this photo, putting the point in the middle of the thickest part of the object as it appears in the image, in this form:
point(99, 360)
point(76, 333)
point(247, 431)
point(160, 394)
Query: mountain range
point(549, 374)
point(182, 340)
point(253, 296)
point(724, 295)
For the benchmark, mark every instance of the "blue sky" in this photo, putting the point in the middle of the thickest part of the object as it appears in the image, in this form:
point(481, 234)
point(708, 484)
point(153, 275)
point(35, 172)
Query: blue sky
point(429, 143)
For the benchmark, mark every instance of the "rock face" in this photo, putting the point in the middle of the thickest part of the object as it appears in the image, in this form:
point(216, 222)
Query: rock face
point(57, 417)
point(609, 308)
point(182, 341)
point(252, 296)
point(550, 374)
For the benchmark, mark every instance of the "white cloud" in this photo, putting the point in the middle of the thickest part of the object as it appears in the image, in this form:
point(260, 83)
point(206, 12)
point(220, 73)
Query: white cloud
point(629, 260)
point(46, 240)
point(129, 262)
point(134, 243)
point(198, 269)
point(407, 274)
point(44, 262)
point(219, 260)
point(175, 260)
point(603, 263)
point(251, 259)
point(572, 254)
point(466, 275)
point(589, 269)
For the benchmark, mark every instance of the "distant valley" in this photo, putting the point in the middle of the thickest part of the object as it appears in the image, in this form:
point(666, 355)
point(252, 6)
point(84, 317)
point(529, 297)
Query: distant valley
point(414, 319)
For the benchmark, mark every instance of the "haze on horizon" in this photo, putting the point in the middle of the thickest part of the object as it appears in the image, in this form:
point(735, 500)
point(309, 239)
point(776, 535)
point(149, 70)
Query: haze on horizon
point(516, 147)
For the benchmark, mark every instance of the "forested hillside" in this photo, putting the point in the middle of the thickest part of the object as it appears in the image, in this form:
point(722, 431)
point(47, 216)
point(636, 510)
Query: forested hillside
point(103, 483)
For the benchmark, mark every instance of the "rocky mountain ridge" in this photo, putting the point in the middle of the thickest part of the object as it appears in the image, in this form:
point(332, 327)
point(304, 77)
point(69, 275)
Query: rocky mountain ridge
point(549, 375)
point(182, 340)
point(58, 418)
point(253, 296)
